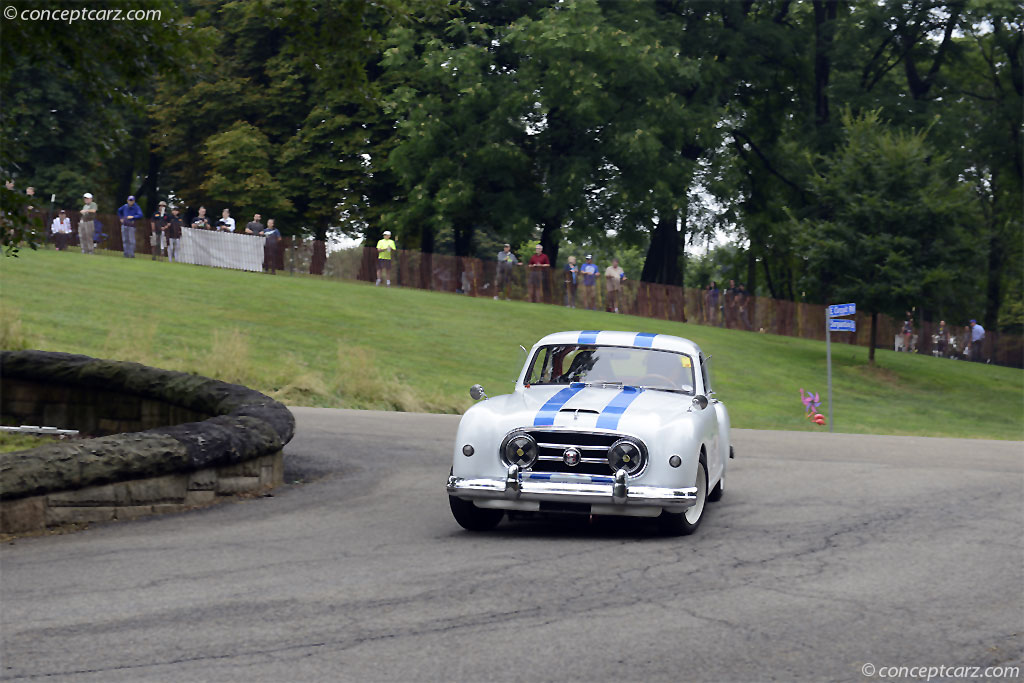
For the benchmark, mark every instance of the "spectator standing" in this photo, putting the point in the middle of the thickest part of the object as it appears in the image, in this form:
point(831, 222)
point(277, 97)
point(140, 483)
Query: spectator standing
point(201, 221)
point(255, 226)
point(86, 224)
point(742, 304)
point(729, 304)
point(158, 229)
point(712, 302)
point(974, 348)
point(589, 271)
point(173, 234)
point(941, 339)
point(128, 213)
point(273, 235)
point(571, 273)
point(385, 248)
point(613, 277)
point(226, 222)
point(503, 275)
point(61, 230)
point(908, 332)
point(535, 285)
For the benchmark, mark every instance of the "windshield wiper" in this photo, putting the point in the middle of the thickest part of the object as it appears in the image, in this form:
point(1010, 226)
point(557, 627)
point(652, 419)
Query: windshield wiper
point(674, 391)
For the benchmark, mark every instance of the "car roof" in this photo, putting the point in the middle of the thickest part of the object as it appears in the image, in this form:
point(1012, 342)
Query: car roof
point(663, 342)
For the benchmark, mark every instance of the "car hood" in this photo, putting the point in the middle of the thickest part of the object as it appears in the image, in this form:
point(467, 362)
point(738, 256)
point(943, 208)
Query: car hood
point(634, 411)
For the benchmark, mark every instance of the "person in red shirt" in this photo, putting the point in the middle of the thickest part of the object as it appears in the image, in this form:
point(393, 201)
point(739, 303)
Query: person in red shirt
point(538, 262)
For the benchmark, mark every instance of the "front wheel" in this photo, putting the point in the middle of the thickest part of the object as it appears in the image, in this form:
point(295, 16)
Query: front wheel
point(686, 522)
point(473, 518)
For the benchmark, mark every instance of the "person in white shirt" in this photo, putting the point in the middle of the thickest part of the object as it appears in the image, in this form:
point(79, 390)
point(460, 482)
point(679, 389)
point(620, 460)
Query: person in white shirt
point(61, 229)
point(613, 276)
point(226, 222)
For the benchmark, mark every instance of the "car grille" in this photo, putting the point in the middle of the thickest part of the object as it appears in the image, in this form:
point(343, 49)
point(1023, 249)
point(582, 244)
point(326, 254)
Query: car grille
point(593, 448)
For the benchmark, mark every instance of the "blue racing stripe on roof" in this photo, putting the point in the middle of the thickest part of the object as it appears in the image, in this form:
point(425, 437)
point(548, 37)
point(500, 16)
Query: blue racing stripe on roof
point(588, 337)
point(644, 339)
point(609, 417)
point(546, 415)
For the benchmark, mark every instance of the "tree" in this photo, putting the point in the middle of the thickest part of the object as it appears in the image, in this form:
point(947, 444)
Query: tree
point(73, 118)
point(891, 231)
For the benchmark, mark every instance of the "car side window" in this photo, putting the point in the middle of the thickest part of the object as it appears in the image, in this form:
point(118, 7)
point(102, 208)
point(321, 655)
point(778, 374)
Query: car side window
point(539, 368)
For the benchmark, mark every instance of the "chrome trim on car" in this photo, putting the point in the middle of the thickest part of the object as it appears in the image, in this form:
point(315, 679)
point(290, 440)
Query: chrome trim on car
point(580, 488)
point(556, 450)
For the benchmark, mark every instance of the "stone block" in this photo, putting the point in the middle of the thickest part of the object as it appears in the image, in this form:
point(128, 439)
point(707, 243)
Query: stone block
point(272, 470)
point(56, 415)
point(81, 515)
point(108, 494)
point(246, 468)
point(164, 508)
point(23, 514)
point(170, 488)
point(229, 485)
point(132, 512)
point(203, 480)
point(194, 498)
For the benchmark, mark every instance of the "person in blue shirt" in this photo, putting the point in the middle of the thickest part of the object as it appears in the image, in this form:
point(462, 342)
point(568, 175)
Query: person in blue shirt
point(589, 272)
point(974, 351)
point(128, 213)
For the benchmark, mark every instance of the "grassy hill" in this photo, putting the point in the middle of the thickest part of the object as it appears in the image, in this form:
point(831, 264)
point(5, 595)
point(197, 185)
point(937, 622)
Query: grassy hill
point(310, 341)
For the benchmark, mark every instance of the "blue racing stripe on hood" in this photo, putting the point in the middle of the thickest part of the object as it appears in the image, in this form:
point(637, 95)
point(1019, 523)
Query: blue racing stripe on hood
point(644, 339)
point(609, 417)
point(546, 415)
point(588, 337)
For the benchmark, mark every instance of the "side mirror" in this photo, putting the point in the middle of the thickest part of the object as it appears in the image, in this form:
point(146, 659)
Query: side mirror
point(700, 401)
point(476, 392)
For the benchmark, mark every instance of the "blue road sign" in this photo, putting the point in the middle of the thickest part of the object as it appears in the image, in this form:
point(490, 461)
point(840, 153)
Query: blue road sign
point(842, 325)
point(839, 310)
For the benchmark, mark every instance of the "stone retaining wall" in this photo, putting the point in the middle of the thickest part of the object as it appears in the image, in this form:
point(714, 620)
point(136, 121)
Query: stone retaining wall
point(167, 465)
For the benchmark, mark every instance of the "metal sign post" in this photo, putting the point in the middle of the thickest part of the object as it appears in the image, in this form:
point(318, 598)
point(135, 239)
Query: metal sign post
point(834, 323)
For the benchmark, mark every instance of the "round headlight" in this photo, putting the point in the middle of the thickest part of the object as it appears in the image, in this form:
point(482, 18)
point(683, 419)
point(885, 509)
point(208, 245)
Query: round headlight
point(625, 455)
point(521, 450)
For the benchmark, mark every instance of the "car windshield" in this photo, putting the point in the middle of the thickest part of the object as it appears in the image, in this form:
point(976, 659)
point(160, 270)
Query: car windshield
point(611, 366)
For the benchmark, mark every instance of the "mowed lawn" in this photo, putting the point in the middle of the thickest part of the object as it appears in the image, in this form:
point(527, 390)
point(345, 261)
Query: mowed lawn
point(318, 342)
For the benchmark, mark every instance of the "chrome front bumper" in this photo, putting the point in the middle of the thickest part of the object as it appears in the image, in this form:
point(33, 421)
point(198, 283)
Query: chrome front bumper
point(607, 492)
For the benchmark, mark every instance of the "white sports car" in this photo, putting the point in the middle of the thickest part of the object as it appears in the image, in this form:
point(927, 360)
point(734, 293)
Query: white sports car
point(600, 423)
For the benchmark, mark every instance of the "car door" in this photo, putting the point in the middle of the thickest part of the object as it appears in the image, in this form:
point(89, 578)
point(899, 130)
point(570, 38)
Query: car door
point(717, 454)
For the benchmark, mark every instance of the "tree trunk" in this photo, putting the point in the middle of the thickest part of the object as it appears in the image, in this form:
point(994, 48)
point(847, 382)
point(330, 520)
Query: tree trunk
point(549, 239)
point(874, 338)
point(996, 262)
point(824, 31)
point(426, 255)
point(661, 266)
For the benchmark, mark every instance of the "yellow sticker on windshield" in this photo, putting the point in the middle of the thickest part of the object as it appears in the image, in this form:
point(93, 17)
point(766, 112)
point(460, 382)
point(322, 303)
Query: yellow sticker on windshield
point(686, 361)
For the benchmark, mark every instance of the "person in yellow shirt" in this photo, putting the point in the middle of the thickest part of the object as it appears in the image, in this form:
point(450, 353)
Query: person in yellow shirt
point(385, 248)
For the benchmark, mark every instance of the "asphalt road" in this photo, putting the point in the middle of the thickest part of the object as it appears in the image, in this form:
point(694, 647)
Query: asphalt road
point(826, 554)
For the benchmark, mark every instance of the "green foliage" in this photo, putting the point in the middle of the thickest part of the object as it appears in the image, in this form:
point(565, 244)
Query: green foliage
point(892, 234)
point(73, 118)
point(240, 171)
point(18, 225)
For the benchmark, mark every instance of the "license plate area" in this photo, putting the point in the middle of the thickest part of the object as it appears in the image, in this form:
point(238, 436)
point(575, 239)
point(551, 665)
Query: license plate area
point(564, 508)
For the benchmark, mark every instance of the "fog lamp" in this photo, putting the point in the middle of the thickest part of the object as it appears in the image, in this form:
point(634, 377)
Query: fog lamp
point(675, 461)
point(467, 450)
